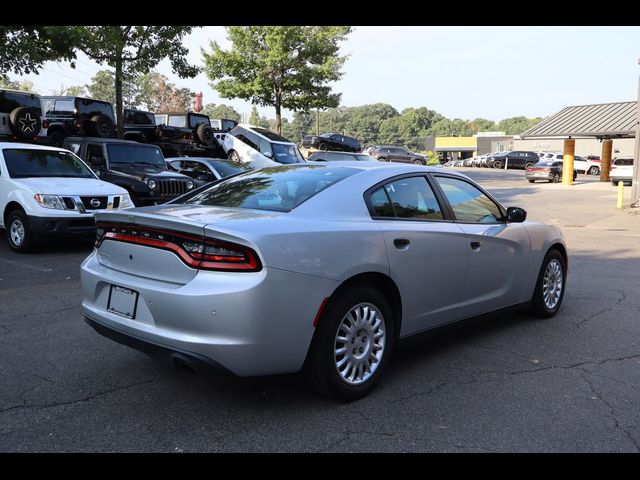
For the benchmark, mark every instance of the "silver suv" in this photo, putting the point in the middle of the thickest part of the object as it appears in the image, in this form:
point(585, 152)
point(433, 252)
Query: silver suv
point(20, 115)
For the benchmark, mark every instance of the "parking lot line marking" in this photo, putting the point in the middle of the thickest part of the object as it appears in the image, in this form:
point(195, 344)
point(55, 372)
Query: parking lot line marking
point(26, 265)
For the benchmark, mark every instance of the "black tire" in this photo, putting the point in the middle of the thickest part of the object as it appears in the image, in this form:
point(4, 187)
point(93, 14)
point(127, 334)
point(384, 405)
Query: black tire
point(56, 138)
point(101, 126)
point(382, 159)
point(614, 183)
point(233, 156)
point(323, 146)
point(556, 178)
point(417, 161)
point(531, 180)
point(496, 164)
point(538, 305)
point(528, 165)
point(205, 134)
point(321, 366)
point(18, 219)
point(575, 175)
point(25, 122)
point(594, 171)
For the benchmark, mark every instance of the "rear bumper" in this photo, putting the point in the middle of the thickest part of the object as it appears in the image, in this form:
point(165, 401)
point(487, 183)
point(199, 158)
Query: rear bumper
point(624, 179)
point(165, 354)
point(51, 227)
point(254, 323)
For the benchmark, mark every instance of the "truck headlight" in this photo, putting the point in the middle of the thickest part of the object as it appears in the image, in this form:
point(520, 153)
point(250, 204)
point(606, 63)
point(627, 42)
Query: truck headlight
point(152, 184)
point(190, 185)
point(125, 201)
point(49, 201)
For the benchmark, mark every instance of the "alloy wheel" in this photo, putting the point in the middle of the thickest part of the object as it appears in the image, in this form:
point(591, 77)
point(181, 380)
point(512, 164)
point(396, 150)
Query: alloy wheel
point(552, 284)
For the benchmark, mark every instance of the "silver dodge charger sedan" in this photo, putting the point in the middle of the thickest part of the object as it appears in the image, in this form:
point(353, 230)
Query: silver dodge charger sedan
point(320, 267)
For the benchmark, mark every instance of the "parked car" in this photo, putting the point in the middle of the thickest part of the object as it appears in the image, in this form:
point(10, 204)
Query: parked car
point(205, 169)
point(138, 167)
point(515, 159)
point(65, 116)
point(47, 192)
point(140, 126)
point(468, 162)
point(549, 170)
point(187, 133)
point(273, 278)
point(339, 157)
point(332, 141)
point(621, 170)
point(222, 127)
point(394, 153)
point(258, 147)
point(20, 115)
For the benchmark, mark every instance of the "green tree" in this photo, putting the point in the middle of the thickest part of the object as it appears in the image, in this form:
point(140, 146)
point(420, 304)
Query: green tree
point(281, 66)
point(482, 125)
point(517, 125)
point(24, 49)
point(135, 50)
point(221, 111)
point(24, 85)
point(254, 117)
point(157, 94)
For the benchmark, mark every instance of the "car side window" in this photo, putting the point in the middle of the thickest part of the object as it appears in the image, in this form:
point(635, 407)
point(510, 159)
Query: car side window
point(410, 197)
point(95, 155)
point(74, 147)
point(469, 204)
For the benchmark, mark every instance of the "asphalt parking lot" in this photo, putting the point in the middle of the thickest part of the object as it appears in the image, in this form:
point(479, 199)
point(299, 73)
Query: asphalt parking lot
point(508, 384)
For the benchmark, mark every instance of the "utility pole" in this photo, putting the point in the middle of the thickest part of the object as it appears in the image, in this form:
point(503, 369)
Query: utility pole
point(636, 154)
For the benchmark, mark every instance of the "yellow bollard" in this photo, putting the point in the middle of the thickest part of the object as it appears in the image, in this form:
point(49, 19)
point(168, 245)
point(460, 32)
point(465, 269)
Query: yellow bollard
point(620, 193)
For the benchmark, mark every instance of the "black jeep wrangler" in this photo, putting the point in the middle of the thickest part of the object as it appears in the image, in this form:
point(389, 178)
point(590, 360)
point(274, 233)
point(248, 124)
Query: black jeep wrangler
point(20, 115)
point(140, 126)
point(187, 133)
point(139, 168)
point(67, 116)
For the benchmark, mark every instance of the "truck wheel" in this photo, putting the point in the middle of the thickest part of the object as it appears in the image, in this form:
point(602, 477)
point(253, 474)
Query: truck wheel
point(323, 146)
point(233, 156)
point(205, 134)
point(101, 126)
point(19, 232)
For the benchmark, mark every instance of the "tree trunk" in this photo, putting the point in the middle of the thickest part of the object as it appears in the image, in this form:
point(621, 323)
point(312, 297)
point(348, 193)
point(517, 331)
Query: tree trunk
point(119, 109)
point(278, 118)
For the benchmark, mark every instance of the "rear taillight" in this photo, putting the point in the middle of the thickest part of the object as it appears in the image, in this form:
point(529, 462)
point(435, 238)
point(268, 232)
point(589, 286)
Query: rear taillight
point(196, 252)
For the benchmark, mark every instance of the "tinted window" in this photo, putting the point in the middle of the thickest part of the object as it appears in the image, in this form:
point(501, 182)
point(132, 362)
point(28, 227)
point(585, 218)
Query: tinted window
point(195, 120)
point(413, 198)
point(191, 166)
point(469, 204)
point(92, 107)
point(279, 188)
point(12, 100)
point(227, 125)
point(74, 147)
point(139, 118)
point(620, 162)
point(381, 203)
point(270, 135)
point(44, 163)
point(227, 168)
point(95, 154)
point(54, 106)
point(135, 155)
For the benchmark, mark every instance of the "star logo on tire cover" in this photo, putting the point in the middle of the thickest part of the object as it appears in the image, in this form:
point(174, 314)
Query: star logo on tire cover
point(27, 123)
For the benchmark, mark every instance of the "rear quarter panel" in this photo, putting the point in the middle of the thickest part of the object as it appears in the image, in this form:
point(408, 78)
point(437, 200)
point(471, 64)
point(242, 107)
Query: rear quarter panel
point(542, 237)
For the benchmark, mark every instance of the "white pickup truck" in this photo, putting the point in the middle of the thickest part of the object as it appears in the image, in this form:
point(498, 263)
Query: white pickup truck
point(48, 192)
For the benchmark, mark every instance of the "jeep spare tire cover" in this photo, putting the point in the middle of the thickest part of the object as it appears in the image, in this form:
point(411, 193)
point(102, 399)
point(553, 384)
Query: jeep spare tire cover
point(205, 134)
point(101, 126)
point(25, 122)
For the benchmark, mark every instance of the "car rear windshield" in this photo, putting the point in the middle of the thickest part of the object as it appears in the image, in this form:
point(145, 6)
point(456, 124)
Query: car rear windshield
point(92, 107)
point(279, 189)
point(621, 162)
point(28, 163)
point(195, 120)
point(136, 155)
point(227, 168)
point(9, 101)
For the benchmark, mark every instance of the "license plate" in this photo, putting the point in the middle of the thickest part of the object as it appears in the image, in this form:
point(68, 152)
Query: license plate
point(122, 301)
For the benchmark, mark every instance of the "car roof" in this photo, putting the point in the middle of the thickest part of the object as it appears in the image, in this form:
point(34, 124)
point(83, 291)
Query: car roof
point(248, 126)
point(107, 140)
point(202, 159)
point(30, 146)
point(13, 90)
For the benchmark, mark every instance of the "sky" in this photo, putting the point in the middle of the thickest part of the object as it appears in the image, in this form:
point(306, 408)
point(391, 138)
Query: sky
point(460, 72)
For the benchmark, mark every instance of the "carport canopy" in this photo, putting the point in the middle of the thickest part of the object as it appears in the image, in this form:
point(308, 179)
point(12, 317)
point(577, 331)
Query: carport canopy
point(602, 120)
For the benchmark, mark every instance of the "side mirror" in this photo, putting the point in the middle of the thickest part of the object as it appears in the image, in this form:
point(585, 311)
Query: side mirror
point(516, 214)
point(267, 154)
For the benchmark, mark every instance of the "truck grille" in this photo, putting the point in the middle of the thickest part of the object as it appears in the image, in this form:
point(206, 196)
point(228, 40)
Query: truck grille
point(172, 188)
point(94, 203)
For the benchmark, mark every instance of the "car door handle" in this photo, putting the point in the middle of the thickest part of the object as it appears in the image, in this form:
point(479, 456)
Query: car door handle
point(475, 245)
point(401, 243)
